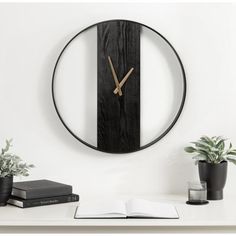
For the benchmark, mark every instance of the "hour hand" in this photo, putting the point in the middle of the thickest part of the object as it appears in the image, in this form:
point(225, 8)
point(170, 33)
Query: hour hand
point(124, 80)
point(115, 77)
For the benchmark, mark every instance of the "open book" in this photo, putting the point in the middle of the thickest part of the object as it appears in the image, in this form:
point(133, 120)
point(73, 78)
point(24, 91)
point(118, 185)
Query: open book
point(134, 208)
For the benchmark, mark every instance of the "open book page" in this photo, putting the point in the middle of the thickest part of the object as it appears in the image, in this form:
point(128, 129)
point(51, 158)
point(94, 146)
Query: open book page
point(108, 209)
point(148, 209)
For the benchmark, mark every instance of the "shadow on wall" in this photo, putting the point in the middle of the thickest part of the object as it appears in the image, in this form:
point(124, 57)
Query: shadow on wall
point(182, 169)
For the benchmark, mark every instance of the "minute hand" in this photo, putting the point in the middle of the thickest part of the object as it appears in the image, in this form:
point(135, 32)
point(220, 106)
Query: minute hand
point(124, 80)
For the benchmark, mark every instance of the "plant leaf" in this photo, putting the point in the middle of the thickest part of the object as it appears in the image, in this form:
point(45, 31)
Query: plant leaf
point(189, 149)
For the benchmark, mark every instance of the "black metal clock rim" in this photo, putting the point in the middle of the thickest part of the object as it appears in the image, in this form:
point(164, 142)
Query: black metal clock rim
point(176, 116)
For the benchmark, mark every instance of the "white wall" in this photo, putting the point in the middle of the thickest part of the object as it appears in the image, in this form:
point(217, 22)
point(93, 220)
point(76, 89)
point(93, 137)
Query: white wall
point(31, 37)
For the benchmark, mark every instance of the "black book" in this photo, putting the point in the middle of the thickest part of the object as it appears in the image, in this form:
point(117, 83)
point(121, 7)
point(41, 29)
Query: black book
point(40, 189)
point(23, 203)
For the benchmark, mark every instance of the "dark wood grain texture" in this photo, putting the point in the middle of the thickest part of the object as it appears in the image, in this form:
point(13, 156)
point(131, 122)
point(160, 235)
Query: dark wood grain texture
point(118, 117)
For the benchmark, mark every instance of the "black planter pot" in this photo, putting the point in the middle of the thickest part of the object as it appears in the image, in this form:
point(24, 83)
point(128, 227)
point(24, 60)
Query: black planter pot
point(5, 189)
point(215, 176)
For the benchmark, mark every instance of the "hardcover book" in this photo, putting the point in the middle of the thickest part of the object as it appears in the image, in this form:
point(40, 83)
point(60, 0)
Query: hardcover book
point(23, 203)
point(134, 208)
point(40, 189)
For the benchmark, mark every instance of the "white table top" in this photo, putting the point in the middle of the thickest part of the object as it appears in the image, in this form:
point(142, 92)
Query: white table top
point(216, 213)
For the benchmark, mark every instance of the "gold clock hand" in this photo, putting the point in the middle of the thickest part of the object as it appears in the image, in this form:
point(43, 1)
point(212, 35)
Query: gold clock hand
point(123, 80)
point(115, 77)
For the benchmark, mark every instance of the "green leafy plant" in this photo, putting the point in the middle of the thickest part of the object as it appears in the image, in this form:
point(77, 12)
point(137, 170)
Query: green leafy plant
point(212, 150)
point(12, 165)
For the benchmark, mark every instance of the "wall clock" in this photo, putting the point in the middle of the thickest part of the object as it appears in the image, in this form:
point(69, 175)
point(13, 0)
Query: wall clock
point(118, 86)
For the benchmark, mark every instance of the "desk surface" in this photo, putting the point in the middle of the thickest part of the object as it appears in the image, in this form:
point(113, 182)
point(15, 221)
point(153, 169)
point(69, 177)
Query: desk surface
point(216, 213)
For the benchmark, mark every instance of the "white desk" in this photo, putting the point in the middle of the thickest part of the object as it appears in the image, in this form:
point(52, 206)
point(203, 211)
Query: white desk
point(217, 216)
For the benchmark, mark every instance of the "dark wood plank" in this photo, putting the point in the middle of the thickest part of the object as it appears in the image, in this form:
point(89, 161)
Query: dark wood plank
point(118, 117)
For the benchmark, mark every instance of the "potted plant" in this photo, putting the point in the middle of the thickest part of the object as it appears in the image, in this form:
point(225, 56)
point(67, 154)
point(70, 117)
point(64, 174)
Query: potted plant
point(212, 156)
point(10, 165)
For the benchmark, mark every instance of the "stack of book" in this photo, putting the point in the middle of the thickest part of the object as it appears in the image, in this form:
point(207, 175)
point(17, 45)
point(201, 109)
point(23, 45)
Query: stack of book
point(41, 192)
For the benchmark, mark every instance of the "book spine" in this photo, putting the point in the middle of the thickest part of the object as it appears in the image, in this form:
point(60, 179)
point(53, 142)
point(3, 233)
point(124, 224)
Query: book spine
point(50, 201)
point(41, 193)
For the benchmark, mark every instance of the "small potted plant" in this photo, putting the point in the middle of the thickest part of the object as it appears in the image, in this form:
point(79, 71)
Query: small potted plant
point(212, 156)
point(10, 165)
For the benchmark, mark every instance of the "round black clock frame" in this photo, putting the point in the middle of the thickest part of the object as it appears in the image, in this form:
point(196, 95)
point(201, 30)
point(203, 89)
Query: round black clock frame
point(163, 133)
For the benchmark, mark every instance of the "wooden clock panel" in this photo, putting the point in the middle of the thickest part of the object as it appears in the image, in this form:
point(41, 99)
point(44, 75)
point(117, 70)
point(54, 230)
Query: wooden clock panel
point(118, 117)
